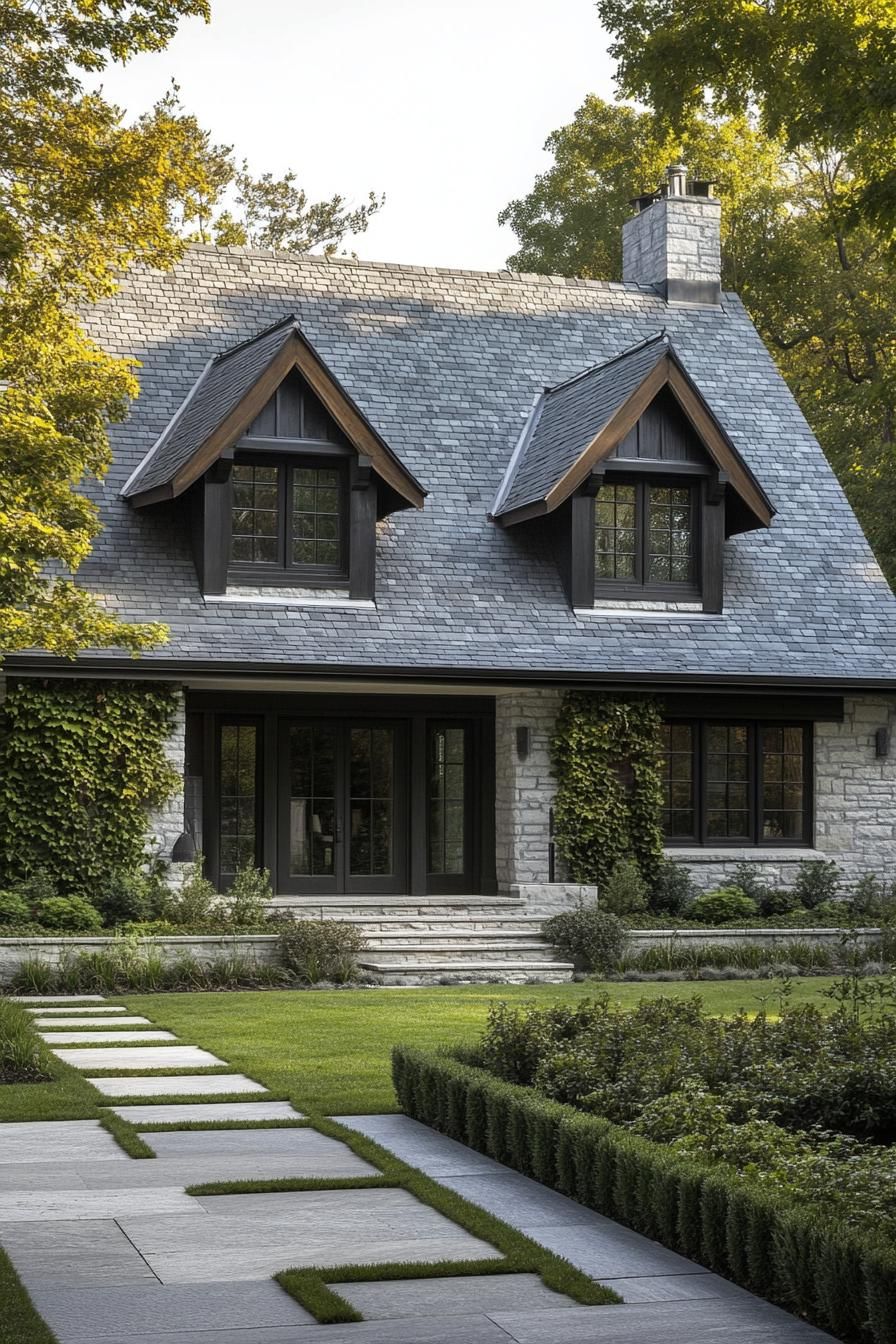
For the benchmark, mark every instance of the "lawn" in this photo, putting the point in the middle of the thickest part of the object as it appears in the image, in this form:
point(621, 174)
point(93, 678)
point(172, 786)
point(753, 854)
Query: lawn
point(328, 1051)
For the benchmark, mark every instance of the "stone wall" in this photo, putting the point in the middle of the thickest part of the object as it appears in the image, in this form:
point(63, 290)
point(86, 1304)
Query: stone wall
point(855, 804)
point(677, 238)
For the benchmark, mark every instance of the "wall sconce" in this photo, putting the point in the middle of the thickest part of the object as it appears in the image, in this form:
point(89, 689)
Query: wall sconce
point(523, 742)
point(184, 850)
point(882, 743)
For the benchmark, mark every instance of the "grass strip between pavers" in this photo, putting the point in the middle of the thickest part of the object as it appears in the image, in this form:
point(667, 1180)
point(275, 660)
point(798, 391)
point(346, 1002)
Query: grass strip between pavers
point(286, 1184)
point(311, 1287)
point(170, 1126)
point(20, 1322)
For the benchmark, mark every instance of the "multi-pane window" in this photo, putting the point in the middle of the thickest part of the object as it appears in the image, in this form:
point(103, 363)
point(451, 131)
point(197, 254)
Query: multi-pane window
point(256, 515)
point(645, 535)
point(238, 836)
point(289, 517)
point(736, 783)
point(316, 516)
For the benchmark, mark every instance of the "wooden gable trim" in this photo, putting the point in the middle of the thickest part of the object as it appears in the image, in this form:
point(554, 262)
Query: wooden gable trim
point(295, 354)
point(666, 373)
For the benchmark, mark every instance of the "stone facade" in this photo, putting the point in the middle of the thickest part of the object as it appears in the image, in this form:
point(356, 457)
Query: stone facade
point(166, 823)
point(855, 804)
point(677, 238)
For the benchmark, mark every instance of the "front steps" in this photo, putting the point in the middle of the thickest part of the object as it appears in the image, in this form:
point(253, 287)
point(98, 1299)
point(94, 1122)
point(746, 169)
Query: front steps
point(429, 940)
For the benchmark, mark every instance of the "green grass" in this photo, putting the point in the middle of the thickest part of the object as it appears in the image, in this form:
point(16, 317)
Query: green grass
point(329, 1052)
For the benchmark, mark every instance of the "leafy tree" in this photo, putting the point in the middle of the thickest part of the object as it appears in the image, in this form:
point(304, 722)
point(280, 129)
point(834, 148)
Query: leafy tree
point(818, 283)
point(819, 72)
point(83, 195)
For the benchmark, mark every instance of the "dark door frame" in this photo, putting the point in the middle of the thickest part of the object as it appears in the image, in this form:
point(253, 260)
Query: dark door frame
point(207, 709)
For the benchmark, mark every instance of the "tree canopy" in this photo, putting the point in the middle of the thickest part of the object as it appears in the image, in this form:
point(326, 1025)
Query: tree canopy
point(83, 195)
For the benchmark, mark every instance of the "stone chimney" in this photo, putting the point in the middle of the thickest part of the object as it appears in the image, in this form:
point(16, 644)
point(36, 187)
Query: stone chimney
point(673, 240)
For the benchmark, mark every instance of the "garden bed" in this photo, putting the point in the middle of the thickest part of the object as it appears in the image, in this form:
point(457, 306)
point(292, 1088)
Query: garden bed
point(690, 1130)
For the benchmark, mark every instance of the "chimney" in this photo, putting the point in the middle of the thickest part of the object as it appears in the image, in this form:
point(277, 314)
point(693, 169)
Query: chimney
point(673, 240)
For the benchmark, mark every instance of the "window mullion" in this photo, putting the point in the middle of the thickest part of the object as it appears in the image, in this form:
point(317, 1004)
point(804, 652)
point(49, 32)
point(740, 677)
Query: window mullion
point(641, 535)
point(756, 785)
point(285, 482)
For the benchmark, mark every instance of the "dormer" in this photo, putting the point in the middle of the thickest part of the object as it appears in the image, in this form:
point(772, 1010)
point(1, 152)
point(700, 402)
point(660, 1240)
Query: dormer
point(640, 481)
point(285, 475)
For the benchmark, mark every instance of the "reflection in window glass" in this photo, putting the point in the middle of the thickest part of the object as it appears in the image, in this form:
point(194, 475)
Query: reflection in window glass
point(447, 787)
point(727, 781)
point(615, 542)
point(372, 791)
point(255, 515)
point(670, 525)
point(312, 800)
point(782, 783)
point(678, 816)
point(316, 516)
point(239, 809)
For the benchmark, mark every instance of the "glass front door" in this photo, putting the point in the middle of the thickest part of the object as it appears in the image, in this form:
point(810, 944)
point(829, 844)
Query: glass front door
point(343, 807)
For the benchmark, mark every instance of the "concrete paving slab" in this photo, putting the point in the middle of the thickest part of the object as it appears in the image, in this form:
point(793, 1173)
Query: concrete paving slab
point(206, 1112)
point(61, 1022)
point(91, 1008)
point(608, 1250)
point(80, 1318)
point(750, 1322)
point(186, 1085)
point(44, 1175)
point(396, 1299)
point(672, 1288)
point(140, 1057)
point(421, 1146)
point(46, 1205)
point(103, 1037)
point(184, 1171)
point(466, 1330)
point(57, 1141)
point(252, 1236)
point(83, 1254)
point(305, 1146)
point(518, 1200)
point(57, 998)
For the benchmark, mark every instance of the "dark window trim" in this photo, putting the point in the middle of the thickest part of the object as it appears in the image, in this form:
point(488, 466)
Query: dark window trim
point(755, 839)
point(283, 573)
point(642, 587)
point(213, 795)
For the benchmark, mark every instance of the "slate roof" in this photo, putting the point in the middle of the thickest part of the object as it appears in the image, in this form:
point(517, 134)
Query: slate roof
point(447, 365)
point(569, 416)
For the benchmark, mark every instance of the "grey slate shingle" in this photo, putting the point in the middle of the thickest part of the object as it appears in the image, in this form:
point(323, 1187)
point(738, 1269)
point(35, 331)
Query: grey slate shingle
point(446, 365)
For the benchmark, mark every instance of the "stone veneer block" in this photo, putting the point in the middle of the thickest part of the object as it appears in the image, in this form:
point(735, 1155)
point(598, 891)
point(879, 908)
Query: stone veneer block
point(106, 1037)
point(436, 1298)
point(209, 1111)
point(57, 1141)
point(184, 1085)
point(140, 1057)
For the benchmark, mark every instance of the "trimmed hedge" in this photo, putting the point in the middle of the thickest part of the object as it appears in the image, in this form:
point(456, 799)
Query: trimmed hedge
point(841, 1280)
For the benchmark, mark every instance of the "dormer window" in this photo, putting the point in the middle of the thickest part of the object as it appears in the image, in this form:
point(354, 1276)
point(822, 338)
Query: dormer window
point(640, 481)
point(646, 537)
point(289, 521)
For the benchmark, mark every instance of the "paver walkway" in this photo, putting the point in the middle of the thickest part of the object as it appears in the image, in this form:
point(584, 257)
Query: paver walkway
point(113, 1251)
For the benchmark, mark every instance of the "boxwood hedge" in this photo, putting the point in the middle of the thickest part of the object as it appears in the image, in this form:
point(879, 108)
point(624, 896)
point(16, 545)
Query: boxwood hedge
point(841, 1280)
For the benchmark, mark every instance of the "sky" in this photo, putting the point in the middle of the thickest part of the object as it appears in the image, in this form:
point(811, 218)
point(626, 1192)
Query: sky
point(444, 105)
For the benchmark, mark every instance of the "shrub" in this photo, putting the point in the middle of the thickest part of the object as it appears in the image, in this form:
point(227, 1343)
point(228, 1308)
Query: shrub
point(248, 897)
point(871, 899)
point(727, 905)
point(22, 1055)
point(778, 901)
point(324, 949)
point(128, 966)
point(196, 902)
point(124, 897)
point(36, 887)
point(817, 881)
point(625, 891)
point(14, 909)
point(671, 889)
point(589, 935)
point(68, 914)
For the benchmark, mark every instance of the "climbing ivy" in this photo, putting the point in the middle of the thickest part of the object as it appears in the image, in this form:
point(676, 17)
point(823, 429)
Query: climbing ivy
point(80, 764)
point(606, 760)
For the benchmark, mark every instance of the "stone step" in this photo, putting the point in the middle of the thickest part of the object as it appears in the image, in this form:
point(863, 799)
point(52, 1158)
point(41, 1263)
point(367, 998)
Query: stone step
point(473, 970)
point(457, 951)
point(442, 925)
point(339, 907)
point(454, 933)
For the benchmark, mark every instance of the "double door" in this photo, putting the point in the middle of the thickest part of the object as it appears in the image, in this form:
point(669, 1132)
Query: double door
point(342, 807)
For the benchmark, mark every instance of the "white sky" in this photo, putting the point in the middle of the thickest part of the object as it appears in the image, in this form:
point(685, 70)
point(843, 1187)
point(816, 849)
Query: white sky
point(442, 104)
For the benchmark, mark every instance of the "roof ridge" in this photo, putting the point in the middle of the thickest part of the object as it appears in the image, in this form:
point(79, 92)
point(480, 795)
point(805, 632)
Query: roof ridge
point(607, 363)
point(289, 321)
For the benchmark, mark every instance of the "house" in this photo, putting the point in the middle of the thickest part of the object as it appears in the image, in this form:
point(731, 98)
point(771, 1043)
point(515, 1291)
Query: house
point(390, 514)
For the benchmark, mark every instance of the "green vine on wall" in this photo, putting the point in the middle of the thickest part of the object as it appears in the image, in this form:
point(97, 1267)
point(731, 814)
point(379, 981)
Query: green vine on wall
point(606, 760)
point(80, 764)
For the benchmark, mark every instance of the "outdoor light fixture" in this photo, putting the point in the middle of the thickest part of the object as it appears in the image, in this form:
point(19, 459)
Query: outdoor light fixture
point(184, 850)
point(523, 742)
point(882, 743)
